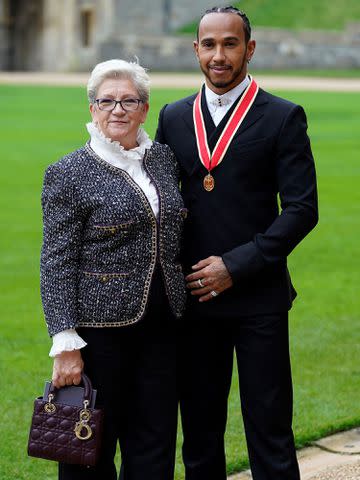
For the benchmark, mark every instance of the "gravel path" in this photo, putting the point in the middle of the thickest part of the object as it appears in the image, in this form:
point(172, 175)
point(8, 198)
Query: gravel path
point(187, 80)
point(344, 472)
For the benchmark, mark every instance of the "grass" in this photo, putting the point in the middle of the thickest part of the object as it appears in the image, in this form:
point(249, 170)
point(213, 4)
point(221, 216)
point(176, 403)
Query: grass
point(39, 124)
point(292, 14)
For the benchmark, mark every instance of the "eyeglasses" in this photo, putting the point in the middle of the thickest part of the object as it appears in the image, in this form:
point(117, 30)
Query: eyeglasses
point(128, 104)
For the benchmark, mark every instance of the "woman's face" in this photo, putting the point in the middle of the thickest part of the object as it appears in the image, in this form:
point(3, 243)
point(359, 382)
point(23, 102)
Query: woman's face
point(119, 125)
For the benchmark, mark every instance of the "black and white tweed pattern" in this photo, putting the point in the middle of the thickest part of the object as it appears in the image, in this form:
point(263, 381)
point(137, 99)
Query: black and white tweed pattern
point(102, 241)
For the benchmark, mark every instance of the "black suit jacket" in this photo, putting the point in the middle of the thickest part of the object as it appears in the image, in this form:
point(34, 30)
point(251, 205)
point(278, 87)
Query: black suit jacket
point(263, 204)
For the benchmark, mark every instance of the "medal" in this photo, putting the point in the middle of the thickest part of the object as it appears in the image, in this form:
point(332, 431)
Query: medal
point(209, 182)
point(210, 161)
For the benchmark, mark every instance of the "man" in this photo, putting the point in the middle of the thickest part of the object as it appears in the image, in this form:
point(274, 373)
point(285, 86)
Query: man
point(239, 148)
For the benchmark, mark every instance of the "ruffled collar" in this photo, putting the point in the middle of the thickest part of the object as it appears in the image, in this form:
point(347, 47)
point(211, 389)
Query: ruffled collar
point(113, 151)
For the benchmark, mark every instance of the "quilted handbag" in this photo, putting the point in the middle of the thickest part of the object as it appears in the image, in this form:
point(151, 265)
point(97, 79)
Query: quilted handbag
point(66, 433)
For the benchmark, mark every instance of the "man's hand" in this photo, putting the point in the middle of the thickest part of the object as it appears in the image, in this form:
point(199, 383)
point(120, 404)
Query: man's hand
point(211, 275)
point(67, 369)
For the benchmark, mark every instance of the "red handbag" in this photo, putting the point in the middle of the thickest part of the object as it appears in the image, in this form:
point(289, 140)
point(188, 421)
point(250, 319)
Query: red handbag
point(66, 433)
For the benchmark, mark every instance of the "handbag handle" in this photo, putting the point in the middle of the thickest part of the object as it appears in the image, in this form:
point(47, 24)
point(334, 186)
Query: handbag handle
point(85, 380)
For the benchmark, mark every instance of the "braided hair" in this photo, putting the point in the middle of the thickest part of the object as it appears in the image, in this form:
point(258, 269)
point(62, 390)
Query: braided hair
point(229, 9)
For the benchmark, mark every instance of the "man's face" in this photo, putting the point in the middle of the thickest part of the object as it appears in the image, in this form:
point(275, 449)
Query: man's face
point(222, 50)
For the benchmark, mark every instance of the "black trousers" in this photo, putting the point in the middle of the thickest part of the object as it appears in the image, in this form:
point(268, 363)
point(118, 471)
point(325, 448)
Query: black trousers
point(133, 369)
point(206, 349)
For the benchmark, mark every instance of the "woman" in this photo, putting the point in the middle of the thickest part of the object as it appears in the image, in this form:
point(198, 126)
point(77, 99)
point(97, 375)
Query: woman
point(111, 283)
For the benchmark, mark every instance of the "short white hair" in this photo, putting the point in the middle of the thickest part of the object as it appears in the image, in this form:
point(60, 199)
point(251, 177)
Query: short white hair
point(119, 69)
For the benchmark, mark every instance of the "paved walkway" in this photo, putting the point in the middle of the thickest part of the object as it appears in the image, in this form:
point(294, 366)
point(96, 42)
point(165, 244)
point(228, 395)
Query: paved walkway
point(332, 458)
point(187, 80)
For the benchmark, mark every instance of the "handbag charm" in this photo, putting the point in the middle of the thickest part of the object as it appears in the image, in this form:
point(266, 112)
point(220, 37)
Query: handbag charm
point(83, 424)
point(50, 407)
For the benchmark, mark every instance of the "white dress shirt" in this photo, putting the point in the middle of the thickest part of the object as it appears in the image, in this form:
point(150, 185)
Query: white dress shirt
point(132, 162)
point(219, 105)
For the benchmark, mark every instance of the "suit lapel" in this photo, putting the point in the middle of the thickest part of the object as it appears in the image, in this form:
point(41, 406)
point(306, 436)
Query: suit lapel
point(188, 115)
point(254, 114)
point(189, 122)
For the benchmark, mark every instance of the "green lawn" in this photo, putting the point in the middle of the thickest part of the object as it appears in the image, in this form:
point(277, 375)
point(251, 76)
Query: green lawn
point(293, 14)
point(40, 124)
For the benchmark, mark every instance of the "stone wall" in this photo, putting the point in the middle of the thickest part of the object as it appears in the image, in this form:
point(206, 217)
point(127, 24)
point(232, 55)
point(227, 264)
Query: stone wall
point(158, 16)
point(166, 53)
point(276, 49)
point(48, 35)
point(73, 35)
point(4, 36)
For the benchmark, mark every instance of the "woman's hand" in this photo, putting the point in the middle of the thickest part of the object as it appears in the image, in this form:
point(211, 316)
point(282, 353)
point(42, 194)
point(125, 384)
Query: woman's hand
point(67, 369)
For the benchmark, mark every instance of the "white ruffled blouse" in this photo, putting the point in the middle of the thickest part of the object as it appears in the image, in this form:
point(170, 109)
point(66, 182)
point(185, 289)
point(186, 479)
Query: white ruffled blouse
point(132, 162)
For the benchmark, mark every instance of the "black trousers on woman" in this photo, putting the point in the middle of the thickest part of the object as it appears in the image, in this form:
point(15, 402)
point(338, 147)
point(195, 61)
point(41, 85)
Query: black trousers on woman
point(133, 370)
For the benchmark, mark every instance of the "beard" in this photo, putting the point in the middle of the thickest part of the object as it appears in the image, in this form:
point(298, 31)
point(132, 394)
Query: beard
point(235, 75)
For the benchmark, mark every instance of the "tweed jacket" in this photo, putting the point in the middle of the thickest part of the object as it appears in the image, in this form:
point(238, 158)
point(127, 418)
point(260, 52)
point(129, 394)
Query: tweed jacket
point(102, 240)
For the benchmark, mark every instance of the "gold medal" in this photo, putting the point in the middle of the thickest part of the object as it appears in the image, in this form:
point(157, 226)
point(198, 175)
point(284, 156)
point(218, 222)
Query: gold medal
point(209, 182)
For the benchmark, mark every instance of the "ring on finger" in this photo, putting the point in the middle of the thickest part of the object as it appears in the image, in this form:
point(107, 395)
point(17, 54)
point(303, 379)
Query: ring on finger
point(199, 282)
point(213, 293)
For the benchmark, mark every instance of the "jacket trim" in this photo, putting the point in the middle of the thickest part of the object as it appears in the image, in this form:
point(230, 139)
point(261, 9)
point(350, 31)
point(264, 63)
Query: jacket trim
point(154, 240)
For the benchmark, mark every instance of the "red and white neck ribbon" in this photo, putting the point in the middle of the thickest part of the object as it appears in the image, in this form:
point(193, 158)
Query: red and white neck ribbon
point(243, 106)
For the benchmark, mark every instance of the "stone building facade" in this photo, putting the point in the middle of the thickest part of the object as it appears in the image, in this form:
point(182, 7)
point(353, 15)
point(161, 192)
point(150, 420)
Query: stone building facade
point(68, 35)
point(73, 35)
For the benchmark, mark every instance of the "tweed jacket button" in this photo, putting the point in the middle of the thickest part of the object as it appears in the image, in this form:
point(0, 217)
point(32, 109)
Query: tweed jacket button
point(184, 213)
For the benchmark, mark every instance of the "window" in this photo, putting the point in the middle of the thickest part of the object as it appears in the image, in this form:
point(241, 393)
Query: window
point(87, 18)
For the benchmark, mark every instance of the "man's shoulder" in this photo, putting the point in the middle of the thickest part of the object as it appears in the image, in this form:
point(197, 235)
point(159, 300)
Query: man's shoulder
point(180, 105)
point(276, 101)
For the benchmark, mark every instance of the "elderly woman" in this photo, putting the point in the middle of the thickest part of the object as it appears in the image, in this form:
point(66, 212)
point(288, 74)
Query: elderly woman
point(111, 282)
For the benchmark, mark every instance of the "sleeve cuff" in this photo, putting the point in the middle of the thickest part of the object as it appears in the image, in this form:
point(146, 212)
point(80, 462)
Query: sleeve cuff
point(66, 341)
point(244, 261)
